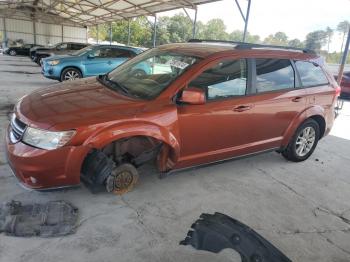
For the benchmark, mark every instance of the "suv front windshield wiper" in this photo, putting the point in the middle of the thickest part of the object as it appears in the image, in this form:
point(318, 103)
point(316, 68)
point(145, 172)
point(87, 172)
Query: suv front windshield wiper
point(113, 85)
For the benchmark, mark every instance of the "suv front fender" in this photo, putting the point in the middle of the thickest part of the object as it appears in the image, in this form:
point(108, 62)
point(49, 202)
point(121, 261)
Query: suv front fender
point(103, 137)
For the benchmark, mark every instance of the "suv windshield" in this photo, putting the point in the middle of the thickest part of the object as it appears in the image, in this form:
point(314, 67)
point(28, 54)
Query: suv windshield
point(148, 74)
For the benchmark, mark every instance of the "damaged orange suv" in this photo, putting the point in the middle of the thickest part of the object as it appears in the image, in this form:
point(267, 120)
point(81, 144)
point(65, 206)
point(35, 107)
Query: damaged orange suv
point(192, 104)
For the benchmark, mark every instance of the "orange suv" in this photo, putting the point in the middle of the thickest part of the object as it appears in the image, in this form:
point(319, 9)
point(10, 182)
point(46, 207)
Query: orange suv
point(199, 102)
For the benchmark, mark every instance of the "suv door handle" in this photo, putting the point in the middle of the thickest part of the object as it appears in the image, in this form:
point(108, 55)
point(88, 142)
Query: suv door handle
point(242, 108)
point(297, 99)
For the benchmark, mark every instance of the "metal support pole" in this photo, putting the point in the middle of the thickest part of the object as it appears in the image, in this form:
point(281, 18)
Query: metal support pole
point(195, 23)
point(246, 21)
point(129, 30)
point(34, 32)
point(5, 33)
point(155, 31)
point(62, 28)
point(97, 33)
point(343, 60)
point(110, 33)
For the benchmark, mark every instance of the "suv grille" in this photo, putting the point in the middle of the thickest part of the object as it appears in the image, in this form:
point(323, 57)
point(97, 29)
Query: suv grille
point(17, 129)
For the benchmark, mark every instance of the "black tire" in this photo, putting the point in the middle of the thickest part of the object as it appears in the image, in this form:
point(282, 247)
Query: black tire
point(72, 71)
point(298, 141)
point(12, 52)
point(38, 60)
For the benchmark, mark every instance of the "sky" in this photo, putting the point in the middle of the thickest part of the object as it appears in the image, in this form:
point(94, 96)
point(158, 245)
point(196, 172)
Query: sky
point(294, 17)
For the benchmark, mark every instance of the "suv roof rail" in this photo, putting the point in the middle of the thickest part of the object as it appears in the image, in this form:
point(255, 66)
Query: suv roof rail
point(244, 45)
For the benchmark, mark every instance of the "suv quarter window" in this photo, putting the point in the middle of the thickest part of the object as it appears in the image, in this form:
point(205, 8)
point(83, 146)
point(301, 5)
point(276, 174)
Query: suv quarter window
point(311, 74)
point(227, 78)
point(274, 75)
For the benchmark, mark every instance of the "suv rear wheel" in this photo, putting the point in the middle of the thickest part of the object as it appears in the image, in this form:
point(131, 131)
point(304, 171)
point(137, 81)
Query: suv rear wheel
point(13, 52)
point(70, 74)
point(303, 142)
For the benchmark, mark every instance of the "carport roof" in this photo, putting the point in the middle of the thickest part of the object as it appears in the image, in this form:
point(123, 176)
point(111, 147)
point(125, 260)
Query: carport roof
point(89, 12)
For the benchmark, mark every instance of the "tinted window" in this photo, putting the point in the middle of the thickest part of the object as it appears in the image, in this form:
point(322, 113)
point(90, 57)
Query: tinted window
point(311, 74)
point(274, 74)
point(76, 46)
point(225, 79)
point(103, 52)
point(120, 53)
point(62, 46)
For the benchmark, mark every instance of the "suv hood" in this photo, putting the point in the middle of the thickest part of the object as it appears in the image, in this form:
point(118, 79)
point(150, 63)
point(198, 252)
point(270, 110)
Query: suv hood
point(73, 104)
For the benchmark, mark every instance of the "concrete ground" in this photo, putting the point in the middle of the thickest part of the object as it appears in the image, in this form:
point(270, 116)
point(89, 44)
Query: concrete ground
point(302, 208)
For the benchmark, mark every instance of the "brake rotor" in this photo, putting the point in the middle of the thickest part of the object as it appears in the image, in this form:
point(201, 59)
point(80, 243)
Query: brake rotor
point(122, 179)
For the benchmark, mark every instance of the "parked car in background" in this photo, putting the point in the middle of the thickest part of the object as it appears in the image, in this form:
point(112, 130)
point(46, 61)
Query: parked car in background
point(200, 103)
point(59, 49)
point(90, 61)
point(345, 84)
point(20, 50)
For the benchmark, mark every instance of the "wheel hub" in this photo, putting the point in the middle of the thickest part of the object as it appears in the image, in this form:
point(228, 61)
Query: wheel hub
point(305, 141)
point(122, 179)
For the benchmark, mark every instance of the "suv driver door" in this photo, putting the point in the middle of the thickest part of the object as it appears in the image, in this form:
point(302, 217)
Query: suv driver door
point(221, 128)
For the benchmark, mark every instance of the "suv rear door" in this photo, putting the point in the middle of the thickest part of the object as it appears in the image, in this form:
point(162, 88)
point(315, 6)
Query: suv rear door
point(318, 88)
point(278, 98)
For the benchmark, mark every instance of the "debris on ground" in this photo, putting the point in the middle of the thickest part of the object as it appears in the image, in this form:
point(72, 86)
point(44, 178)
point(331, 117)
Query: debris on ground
point(50, 219)
point(216, 232)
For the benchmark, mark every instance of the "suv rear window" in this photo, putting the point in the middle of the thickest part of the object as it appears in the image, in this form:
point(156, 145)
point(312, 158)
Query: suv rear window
point(311, 74)
point(274, 74)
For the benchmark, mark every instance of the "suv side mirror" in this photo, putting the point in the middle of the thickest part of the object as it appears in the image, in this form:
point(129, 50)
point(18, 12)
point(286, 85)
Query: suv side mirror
point(193, 96)
point(90, 56)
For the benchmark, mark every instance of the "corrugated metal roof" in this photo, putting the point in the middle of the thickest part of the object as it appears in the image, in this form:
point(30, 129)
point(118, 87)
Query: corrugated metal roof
point(89, 12)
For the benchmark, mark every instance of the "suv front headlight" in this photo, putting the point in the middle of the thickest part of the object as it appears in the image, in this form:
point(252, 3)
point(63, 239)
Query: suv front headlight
point(53, 62)
point(46, 139)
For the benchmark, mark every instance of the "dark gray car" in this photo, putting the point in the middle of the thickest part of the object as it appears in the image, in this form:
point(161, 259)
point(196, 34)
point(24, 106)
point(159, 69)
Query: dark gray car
point(59, 49)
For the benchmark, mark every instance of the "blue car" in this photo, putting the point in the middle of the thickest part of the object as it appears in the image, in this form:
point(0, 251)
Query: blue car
point(89, 61)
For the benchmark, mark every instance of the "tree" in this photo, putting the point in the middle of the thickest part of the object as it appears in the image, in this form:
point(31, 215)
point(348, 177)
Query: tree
point(295, 43)
point(343, 28)
point(279, 38)
point(315, 40)
point(102, 32)
point(215, 29)
point(329, 33)
point(237, 35)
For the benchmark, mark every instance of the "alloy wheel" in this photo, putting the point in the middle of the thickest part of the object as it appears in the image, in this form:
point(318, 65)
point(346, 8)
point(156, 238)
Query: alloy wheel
point(71, 75)
point(305, 141)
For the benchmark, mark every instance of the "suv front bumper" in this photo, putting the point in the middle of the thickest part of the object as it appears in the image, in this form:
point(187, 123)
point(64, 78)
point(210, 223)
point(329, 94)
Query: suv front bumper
point(45, 169)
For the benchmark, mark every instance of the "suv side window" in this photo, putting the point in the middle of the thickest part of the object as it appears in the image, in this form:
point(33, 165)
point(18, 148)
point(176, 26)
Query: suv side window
point(274, 74)
point(226, 79)
point(311, 74)
point(104, 52)
point(117, 52)
point(62, 46)
point(76, 46)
